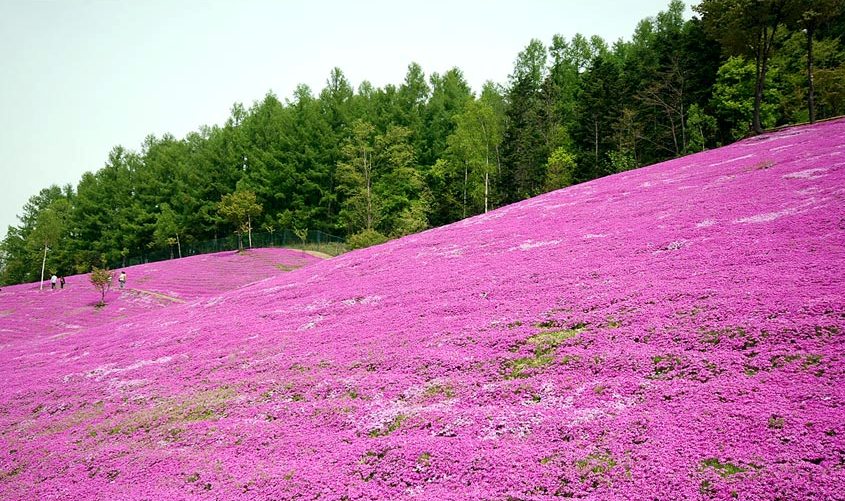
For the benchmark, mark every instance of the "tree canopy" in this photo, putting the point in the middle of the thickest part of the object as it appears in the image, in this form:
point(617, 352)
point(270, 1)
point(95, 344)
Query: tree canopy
point(382, 162)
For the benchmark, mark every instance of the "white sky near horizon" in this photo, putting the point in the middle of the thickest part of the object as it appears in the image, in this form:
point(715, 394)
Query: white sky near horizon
point(80, 77)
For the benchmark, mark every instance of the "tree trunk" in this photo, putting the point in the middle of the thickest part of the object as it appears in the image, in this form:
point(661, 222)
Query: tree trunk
point(758, 84)
point(486, 170)
point(811, 87)
point(674, 134)
point(486, 189)
point(466, 178)
point(369, 207)
point(768, 41)
point(249, 229)
point(43, 264)
point(369, 194)
point(596, 126)
point(498, 162)
point(486, 165)
point(179, 246)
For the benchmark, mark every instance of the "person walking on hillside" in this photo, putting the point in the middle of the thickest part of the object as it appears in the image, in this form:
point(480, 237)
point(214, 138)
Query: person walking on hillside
point(122, 279)
point(62, 282)
point(53, 280)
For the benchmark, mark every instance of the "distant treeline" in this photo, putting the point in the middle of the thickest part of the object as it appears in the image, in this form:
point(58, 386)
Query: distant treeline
point(385, 162)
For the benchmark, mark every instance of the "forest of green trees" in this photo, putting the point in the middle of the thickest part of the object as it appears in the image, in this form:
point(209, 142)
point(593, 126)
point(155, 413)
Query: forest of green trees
point(375, 163)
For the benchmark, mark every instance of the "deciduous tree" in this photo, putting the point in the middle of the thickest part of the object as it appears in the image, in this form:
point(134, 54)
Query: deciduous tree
point(101, 279)
point(240, 208)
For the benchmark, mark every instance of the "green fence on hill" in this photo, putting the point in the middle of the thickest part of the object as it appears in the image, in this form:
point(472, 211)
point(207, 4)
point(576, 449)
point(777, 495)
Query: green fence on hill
point(315, 240)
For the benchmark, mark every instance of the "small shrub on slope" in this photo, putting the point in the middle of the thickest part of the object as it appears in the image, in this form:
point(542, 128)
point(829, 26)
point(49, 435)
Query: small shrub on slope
point(366, 238)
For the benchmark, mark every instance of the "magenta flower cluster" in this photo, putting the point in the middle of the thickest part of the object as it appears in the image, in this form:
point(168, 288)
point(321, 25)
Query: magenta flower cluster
point(673, 332)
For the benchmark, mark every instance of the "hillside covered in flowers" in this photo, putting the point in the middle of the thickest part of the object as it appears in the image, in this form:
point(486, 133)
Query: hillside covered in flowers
point(673, 332)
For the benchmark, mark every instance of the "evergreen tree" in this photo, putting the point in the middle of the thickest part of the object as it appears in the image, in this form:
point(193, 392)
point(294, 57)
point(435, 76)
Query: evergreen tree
point(598, 113)
point(524, 143)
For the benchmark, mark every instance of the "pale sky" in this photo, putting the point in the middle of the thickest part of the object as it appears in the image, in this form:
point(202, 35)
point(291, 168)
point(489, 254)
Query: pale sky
point(80, 77)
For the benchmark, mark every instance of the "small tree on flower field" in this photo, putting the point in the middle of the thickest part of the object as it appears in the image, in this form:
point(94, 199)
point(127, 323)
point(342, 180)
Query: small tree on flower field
point(239, 208)
point(101, 280)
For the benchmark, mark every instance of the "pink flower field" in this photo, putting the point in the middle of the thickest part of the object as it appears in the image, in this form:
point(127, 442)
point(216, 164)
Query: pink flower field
point(24, 310)
point(673, 332)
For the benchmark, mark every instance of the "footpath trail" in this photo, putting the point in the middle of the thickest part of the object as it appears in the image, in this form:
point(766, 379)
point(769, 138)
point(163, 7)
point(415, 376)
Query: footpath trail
point(156, 295)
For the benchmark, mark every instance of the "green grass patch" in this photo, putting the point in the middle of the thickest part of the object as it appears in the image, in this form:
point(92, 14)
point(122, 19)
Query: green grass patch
point(168, 413)
point(723, 469)
point(807, 361)
point(569, 359)
point(548, 324)
point(692, 312)
point(711, 337)
point(780, 361)
point(705, 488)
point(520, 367)
point(595, 466)
point(390, 427)
point(555, 337)
point(267, 396)
point(445, 390)
point(173, 434)
point(664, 364)
point(811, 360)
point(85, 414)
point(775, 422)
point(826, 330)
point(545, 345)
point(714, 336)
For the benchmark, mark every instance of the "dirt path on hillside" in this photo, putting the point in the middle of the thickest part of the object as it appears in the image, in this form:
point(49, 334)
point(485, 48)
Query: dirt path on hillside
point(158, 295)
point(321, 255)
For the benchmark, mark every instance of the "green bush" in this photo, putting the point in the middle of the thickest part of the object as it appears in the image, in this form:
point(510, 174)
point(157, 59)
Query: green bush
point(366, 238)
